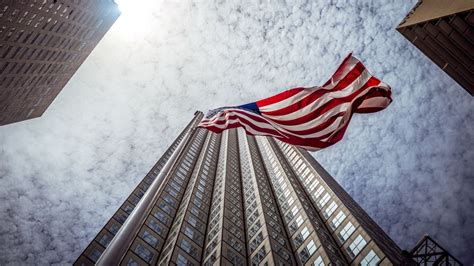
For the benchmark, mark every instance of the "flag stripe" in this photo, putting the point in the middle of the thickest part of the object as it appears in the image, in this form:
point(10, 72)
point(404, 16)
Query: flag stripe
point(279, 97)
point(346, 84)
point(311, 118)
point(319, 112)
point(350, 64)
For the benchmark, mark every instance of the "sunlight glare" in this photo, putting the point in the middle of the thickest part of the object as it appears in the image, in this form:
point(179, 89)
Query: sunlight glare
point(135, 14)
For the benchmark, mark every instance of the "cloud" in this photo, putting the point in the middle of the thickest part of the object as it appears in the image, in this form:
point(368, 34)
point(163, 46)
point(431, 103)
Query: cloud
point(410, 166)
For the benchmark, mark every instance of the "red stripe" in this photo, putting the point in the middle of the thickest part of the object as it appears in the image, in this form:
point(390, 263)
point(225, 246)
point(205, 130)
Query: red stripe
point(319, 127)
point(339, 70)
point(256, 117)
point(346, 81)
point(231, 115)
point(339, 133)
point(242, 121)
point(279, 135)
point(279, 97)
point(328, 106)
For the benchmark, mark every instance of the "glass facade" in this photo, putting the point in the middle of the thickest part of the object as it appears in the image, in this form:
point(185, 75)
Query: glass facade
point(42, 44)
point(233, 199)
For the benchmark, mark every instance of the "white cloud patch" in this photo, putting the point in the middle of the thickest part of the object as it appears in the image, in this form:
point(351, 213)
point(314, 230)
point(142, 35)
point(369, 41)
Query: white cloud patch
point(410, 166)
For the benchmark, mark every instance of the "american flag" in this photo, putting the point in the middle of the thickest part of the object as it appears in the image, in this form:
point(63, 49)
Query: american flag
point(311, 118)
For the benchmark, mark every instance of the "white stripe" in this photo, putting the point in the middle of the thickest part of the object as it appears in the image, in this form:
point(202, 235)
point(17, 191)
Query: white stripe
point(353, 87)
point(271, 126)
point(288, 101)
point(247, 128)
point(224, 116)
point(246, 116)
point(344, 107)
point(351, 63)
point(318, 120)
point(375, 102)
point(332, 127)
point(267, 125)
point(380, 100)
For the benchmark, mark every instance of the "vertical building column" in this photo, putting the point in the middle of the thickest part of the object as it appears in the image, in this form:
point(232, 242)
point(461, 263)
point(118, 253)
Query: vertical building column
point(309, 238)
point(185, 243)
point(225, 238)
point(267, 240)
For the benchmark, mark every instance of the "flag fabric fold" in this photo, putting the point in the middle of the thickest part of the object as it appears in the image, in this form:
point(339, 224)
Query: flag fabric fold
point(311, 118)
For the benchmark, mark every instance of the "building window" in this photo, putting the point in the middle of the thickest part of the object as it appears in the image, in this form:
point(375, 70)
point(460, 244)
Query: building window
point(311, 247)
point(338, 220)
point(186, 246)
point(95, 254)
point(189, 232)
point(132, 262)
point(299, 221)
point(259, 256)
point(370, 260)
point(356, 246)
point(302, 236)
point(149, 238)
point(313, 185)
point(304, 255)
point(143, 253)
point(319, 191)
point(346, 232)
point(305, 233)
point(324, 200)
point(192, 221)
point(256, 242)
point(114, 229)
point(169, 200)
point(161, 217)
point(330, 209)
point(319, 262)
point(165, 208)
point(294, 211)
point(290, 201)
point(104, 240)
point(155, 226)
point(181, 260)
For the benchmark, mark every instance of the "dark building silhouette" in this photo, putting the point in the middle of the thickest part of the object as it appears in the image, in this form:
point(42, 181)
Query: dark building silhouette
point(223, 199)
point(444, 31)
point(42, 44)
point(429, 252)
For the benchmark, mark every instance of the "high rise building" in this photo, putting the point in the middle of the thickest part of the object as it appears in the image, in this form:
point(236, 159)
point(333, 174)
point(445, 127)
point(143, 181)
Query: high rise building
point(42, 44)
point(222, 199)
point(444, 31)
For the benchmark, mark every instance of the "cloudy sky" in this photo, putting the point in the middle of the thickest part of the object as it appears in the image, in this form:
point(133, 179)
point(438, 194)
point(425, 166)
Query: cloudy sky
point(410, 166)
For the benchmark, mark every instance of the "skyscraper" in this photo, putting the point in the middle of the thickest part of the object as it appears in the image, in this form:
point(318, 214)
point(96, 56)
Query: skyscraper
point(444, 31)
point(230, 198)
point(42, 44)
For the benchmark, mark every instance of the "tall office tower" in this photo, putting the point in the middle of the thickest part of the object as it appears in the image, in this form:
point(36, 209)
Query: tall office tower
point(42, 44)
point(222, 199)
point(443, 31)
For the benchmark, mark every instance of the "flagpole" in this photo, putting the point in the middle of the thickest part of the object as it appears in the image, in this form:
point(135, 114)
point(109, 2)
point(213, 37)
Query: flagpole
point(122, 241)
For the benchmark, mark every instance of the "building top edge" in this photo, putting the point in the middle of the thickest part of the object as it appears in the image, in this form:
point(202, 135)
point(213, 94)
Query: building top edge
point(426, 10)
